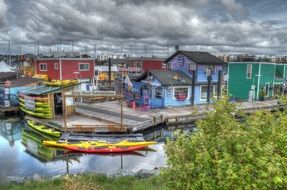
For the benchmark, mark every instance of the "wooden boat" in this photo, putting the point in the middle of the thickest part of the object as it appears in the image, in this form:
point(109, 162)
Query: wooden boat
point(43, 129)
point(109, 149)
point(38, 104)
point(37, 114)
point(37, 98)
point(39, 109)
point(91, 144)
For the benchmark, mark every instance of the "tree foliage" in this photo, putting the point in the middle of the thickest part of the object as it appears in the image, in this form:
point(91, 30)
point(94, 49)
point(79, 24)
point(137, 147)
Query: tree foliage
point(226, 153)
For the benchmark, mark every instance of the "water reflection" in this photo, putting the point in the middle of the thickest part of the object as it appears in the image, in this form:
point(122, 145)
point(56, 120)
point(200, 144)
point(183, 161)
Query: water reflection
point(22, 154)
point(10, 129)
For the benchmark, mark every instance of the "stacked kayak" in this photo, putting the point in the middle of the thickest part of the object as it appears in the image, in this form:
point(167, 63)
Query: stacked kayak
point(39, 106)
point(101, 146)
point(62, 83)
point(43, 129)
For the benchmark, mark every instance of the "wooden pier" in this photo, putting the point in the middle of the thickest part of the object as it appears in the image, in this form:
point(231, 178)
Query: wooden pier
point(137, 120)
point(111, 117)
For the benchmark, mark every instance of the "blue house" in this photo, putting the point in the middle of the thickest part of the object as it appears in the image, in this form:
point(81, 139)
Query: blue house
point(185, 82)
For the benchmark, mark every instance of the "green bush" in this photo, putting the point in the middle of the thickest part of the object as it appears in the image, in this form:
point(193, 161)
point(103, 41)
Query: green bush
point(227, 154)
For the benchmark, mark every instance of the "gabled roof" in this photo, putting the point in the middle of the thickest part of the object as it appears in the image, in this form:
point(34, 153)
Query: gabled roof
point(168, 77)
point(198, 57)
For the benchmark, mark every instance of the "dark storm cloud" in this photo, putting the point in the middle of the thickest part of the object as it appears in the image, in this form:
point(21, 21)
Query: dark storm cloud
point(218, 25)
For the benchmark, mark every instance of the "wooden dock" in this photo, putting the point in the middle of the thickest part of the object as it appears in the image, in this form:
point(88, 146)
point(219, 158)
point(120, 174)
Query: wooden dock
point(8, 109)
point(105, 117)
point(137, 120)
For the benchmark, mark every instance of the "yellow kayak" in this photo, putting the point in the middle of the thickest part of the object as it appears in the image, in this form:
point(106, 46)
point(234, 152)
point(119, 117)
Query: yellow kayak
point(37, 98)
point(38, 104)
point(37, 114)
point(89, 144)
point(39, 109)
point(43, 129)
point(61, 82)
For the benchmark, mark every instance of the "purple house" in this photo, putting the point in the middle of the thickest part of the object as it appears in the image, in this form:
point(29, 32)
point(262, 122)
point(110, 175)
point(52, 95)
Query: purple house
point(185, 82)
point(199, 64)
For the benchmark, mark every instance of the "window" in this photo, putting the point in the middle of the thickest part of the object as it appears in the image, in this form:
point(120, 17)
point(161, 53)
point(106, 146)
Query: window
point(180, 93)
point(192, 67)
point(249, 71)
point(56, 66)
point(168, 66)
point(213, 92)
point(158, 92)
point(43, 67)
point(84, 67)
point(164, 65)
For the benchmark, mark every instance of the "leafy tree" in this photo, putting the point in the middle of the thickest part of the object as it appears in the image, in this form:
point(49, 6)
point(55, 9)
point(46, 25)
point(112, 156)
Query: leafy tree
point(226, 153)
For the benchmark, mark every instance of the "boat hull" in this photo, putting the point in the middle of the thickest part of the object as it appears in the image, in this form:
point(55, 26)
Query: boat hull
point(106, 149)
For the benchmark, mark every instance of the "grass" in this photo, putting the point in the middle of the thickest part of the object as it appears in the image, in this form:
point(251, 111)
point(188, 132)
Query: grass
point(91, 182)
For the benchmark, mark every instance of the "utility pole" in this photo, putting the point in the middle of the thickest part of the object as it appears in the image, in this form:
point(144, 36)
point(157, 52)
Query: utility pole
point(208, 74)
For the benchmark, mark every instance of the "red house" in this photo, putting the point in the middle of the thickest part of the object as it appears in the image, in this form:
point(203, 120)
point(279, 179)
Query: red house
point(65, 68)
point(138, 65)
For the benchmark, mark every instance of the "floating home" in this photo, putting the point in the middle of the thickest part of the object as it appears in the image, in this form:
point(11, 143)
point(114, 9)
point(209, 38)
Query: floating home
point(81, 69)
point(184, 82)
point(252, 80)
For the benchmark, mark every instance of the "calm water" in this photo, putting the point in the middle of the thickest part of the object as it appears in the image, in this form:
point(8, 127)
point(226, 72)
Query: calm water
point(22, 154)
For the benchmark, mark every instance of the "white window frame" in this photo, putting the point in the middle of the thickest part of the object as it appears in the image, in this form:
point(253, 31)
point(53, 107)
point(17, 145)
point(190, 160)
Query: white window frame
point(213, 91)
point(173, 91)
point(163, 65)
point(249, 65)
point(56, 66)
point(84, 64)
point(40, 69)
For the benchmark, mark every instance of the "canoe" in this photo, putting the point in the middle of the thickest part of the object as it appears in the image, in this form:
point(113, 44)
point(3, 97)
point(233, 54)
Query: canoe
point(38, 104)
point(37, 114)
point(39, 109)
point(92, 144)
point(109, 149)
point(43, 129)
point(37, 98)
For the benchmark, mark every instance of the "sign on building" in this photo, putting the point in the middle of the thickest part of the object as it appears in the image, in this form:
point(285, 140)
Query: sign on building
point(29, 103)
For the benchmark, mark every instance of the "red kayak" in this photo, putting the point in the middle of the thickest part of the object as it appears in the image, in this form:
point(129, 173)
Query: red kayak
point(110, 149)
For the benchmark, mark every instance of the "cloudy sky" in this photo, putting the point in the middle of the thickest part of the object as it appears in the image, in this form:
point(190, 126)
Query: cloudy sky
point(140, 26)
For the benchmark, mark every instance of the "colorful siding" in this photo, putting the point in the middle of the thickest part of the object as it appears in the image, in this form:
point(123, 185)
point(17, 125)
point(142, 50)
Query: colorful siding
point(152, 64)
point(66, 69)
point(182, 67)
point(201, 76)
point(262, 73)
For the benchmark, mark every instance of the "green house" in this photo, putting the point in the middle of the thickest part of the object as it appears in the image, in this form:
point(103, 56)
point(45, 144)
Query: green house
point(248, 80)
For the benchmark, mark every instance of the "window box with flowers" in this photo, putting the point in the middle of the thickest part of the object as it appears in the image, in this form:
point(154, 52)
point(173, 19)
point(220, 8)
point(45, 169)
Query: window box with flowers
point(180, 93)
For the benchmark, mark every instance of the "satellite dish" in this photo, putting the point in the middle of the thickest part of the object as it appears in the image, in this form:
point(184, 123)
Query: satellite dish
point(176, 47)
